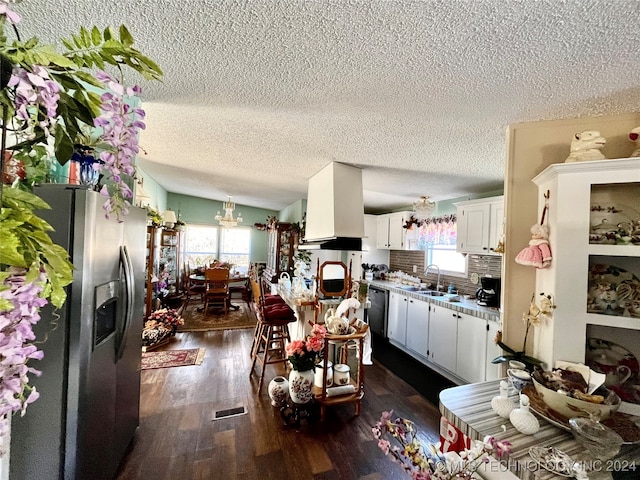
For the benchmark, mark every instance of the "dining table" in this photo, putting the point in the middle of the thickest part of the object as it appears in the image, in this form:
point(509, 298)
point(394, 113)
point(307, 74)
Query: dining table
point(239, 278)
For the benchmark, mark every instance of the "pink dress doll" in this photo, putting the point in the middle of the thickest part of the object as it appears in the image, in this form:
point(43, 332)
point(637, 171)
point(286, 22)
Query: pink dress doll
point(538, 253)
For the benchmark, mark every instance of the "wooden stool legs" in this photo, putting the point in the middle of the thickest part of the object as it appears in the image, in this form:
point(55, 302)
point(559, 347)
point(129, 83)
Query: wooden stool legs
point(269, 346)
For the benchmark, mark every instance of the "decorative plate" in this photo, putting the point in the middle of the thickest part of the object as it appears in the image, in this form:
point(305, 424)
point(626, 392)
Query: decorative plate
point(612, 290)
point(474, 278)
point(552, 459)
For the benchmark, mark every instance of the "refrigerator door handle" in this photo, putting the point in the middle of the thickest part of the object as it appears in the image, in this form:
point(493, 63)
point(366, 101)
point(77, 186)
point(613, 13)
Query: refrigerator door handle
point(129, 287)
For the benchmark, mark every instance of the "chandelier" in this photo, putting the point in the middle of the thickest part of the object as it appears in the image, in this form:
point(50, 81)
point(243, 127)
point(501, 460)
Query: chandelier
point(423, 208)
point(228, 220)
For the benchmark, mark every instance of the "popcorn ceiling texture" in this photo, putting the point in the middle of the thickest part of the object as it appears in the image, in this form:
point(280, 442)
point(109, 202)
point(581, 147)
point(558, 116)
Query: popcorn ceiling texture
point(259, 95)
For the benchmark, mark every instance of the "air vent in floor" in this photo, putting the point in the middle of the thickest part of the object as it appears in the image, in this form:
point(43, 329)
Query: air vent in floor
point(229, 412)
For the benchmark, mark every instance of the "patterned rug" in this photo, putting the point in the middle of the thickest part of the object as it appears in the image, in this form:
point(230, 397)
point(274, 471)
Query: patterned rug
point(172, 358)
point(195, 321)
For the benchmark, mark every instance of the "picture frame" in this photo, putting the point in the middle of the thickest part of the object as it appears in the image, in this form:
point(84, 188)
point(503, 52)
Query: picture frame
point(169, 239)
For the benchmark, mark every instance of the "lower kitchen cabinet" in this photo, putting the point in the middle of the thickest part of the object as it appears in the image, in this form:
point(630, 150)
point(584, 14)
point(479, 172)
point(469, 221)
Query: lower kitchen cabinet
point(397, 318)
point(418, 326)
point(443, 330)
point(471, 348)
point(494, 370)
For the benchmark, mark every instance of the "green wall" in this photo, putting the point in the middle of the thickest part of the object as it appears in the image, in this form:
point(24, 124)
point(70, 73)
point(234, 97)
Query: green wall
point(202, 211)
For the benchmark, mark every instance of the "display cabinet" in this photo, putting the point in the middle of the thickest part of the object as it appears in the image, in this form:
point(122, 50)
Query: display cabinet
point(170, 260)
point(594, 222)
point(282, 245)
point(153, 246)
point(343, 349)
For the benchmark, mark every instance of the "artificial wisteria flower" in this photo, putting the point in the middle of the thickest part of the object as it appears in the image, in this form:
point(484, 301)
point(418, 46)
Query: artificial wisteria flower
point(121, 124)
point(12, 17)
point(16, 333)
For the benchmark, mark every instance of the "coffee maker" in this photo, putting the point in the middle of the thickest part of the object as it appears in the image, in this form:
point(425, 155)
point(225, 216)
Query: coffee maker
point(489, 294)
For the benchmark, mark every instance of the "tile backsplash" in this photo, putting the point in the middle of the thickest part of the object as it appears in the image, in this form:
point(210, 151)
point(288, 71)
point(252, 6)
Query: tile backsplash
point(481, 264)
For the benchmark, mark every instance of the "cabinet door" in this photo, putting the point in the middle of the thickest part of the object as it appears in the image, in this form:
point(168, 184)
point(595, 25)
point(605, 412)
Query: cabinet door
point(397, 321)
point(396, 231)
point(418, 326)
point(471, 348)
point(496, 227)
point(493, 371)
point(443, 328)
point(476, 219)
point(382, 232)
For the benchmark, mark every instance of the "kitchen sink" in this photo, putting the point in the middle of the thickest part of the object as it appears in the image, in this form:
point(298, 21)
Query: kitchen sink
point(431, 293)
point(408, 288)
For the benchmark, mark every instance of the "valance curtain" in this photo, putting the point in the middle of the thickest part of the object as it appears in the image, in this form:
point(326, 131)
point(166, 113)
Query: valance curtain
point(437, 231)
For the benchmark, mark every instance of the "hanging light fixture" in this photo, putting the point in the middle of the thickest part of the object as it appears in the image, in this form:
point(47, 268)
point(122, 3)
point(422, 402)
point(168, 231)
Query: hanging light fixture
point(228, 220)
point(423, 208)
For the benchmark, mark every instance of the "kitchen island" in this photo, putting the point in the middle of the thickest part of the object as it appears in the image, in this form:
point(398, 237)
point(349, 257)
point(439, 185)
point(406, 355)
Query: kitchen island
point(468, 407)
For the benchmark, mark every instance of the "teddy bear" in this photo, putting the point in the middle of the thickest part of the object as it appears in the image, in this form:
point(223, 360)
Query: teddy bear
point(586, 146)
point(634, 136)
point(538, 253)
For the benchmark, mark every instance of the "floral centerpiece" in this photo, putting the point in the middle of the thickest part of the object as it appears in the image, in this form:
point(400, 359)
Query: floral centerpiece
point(50, 97)
point(533, 317)
point(431, 464)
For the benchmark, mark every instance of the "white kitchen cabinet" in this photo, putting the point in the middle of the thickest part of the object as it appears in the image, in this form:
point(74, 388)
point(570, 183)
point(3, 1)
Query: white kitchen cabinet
point(443, 330)
point(391, 233)
point(397, 318)
point(471, 348)
point(480, 225)
point(418, 326)
point(493, 370)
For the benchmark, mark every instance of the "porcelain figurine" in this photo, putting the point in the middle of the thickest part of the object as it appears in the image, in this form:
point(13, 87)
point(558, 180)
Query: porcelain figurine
point(586, 146)
point(522, 419)
point(634, 136)
point(501, 404)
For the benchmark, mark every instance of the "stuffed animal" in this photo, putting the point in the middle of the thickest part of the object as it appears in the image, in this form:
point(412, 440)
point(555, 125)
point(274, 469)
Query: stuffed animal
point(538, 253)
point(634, 136)
point(586, 146)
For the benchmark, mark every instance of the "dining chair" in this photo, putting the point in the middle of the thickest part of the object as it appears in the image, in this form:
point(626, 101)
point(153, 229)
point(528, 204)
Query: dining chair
point(217, 288)
point(190, 287)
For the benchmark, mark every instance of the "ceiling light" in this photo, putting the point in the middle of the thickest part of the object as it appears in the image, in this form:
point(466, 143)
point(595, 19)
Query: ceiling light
point(228, 220)
point(423, 208)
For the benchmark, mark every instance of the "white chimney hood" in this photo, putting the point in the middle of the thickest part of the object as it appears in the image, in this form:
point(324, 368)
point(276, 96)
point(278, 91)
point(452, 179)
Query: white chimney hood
point(335, 208)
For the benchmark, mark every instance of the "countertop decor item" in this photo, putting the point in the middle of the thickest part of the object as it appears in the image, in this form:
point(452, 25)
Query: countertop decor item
point(599, 440)
point(303, 356)
point(522, 419)
point(398, 439)
point(502, 404)
point(554, 460)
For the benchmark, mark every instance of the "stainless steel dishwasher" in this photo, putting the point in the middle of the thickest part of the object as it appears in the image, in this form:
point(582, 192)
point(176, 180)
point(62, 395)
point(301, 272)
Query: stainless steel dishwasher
point(377, 313)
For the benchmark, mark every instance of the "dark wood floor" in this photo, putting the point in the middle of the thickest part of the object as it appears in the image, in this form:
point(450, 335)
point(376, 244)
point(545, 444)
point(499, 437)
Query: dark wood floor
point(178, 438)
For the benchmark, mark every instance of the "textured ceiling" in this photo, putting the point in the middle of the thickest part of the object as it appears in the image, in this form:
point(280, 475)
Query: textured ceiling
point(258, 95)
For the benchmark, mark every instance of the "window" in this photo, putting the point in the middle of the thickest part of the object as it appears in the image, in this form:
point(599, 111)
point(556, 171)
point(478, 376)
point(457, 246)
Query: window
point(446, 257)
point(235, 246)
point(205, 243)
point(201, 245)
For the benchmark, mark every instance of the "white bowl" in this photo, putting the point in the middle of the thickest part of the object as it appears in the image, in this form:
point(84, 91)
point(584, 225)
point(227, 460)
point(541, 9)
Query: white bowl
point(572, 407)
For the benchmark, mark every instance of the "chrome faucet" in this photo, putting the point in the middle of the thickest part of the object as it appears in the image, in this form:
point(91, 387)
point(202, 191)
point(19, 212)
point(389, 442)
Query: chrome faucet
point(426, 272)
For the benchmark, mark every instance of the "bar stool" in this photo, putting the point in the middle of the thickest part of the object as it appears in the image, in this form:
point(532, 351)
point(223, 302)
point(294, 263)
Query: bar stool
point(272, 331)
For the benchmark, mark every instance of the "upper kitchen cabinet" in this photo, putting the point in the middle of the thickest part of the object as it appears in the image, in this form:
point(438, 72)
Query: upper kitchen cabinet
point(480, 225)
point(391, 234)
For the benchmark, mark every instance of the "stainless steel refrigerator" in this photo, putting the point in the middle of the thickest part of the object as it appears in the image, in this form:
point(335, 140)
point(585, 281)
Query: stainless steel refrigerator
point(88, 410)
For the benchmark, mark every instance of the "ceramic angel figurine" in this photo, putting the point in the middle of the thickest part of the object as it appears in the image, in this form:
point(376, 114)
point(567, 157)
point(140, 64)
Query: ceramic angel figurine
point(634, 136)
point(586, 146)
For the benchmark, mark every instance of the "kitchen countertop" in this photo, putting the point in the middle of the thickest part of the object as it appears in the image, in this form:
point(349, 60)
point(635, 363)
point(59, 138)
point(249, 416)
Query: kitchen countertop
point(467, 306)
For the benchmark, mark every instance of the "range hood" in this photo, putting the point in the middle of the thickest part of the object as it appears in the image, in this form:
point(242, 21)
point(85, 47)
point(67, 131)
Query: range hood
point(335, 209)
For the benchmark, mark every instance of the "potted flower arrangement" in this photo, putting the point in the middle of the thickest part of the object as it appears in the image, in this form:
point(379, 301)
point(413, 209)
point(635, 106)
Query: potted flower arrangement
point(303, 356)
point(48, 98)
point(160, 325)
point(430, 463)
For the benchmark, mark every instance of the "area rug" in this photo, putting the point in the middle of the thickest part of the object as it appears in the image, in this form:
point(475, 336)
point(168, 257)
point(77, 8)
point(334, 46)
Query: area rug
point(172, 358)
point(197, 321)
